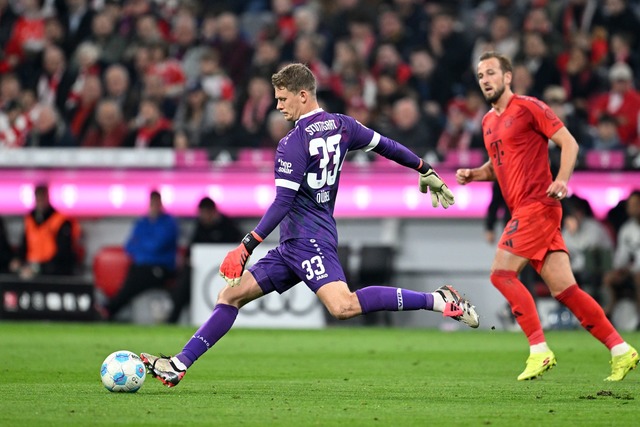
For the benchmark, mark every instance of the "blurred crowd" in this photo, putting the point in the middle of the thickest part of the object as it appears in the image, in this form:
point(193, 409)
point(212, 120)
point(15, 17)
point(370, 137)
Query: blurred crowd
point(196, 74)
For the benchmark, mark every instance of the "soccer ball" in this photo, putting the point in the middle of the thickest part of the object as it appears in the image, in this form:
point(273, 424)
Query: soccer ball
point(123, 371)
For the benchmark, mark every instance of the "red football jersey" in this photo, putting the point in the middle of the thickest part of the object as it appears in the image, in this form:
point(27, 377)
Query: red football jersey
point(517, 142)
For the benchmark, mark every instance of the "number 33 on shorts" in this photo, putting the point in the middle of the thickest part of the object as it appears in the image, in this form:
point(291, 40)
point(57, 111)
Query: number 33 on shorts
point(314, 268)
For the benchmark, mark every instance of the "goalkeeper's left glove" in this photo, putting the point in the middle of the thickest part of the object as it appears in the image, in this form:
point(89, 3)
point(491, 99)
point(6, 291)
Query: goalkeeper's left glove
point(233, 264)
point(440, 193)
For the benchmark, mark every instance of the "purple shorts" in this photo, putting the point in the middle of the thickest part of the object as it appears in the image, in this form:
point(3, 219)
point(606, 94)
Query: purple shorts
point(314, 262)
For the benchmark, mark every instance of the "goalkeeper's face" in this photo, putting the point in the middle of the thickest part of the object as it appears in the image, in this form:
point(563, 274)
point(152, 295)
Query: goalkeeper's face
point(291, 104)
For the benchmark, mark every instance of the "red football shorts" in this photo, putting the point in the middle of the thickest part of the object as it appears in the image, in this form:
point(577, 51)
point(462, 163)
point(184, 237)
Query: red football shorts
point(534, 231)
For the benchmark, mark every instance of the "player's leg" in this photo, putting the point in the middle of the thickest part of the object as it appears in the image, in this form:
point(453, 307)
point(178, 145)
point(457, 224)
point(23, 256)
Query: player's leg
point(557, 274)
point(344, 304)
point(170, 370)
point(316, 263)
point(526, 237)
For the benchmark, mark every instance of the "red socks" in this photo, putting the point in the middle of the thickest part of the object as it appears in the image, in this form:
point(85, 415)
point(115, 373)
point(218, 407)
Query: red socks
point(522, 304)
point(585, 308)
point(590, 315)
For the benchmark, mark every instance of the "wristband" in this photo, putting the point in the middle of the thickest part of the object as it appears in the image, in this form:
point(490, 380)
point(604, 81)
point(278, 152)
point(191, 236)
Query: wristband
point(251, 241)
point(424, 167)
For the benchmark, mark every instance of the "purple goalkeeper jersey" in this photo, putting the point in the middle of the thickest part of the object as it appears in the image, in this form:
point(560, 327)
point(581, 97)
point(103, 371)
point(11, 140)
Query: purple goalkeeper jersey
point(307, 173)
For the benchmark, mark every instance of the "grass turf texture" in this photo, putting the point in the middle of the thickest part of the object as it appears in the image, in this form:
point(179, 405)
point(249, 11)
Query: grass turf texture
point(335, 377)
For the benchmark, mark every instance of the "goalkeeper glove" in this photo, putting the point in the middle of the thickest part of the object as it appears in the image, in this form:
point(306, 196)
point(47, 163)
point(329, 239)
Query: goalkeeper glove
point(440, 193)
point(233, 264)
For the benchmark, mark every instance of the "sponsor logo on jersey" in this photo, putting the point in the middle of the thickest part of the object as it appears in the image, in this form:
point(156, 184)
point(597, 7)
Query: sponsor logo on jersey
point(285, 167)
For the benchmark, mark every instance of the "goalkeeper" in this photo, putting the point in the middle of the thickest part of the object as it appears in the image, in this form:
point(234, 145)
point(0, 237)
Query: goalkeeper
point(307, 173)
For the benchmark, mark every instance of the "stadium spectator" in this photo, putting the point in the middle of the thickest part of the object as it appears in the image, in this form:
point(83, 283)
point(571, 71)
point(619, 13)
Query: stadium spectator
point(522, 80)
point(307, 51)
point(82, 114)
point(76, 17)
point(226, 134)
point(277, 128)
point(185, 47)
point(27, 38)
point(450, 49)
point(538, 21)
point(152, 247)
point(621, 51)
point(308, 237)
point(211, 226)
point(50, 240)
point(408, 125)
point(265, 59)
point(588, 242)
point(194, 114)
point(350, 79)
point(50, 130)
point(626, 260)
point(8, 18)
point(109, 129)
point(535, 56)
point(556, 98)
point(55, 81)
point(391, 31)
point(622, 101)
point(499, 37)
point(619, 17)
point(533, 236)
point(432, 96)
point(456, 136)
point(117, 87)
point(216, 83)
point(255, 108)
point(605, 135)
point(578, 16)
point(235, 52)
point(7, 252)
point(152, 129)
point(111, 45)
point(10, 88)
point(580, 80)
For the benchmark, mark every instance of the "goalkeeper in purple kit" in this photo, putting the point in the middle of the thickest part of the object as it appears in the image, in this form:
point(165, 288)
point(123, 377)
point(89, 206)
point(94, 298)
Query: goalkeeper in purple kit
point(307, 173)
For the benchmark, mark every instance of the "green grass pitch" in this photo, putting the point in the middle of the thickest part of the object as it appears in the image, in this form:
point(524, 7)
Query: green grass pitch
point(335, 377)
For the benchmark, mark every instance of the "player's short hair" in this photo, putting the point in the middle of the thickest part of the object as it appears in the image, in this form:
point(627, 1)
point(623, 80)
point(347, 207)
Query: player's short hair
point(294, 78)
point(505, 62)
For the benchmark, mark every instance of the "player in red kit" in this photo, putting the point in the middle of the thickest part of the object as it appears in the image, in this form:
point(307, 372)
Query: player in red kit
point(516, 134)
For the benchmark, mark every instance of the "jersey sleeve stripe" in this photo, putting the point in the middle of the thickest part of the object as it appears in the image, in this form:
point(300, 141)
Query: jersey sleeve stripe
point(374, 142)
point(287, 184)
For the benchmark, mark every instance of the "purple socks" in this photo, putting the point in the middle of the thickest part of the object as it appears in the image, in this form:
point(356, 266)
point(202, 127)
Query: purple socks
point(209, 333)
point(379, 298)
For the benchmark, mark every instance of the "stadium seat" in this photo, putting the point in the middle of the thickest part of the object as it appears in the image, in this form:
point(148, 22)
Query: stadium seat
point(110, 266)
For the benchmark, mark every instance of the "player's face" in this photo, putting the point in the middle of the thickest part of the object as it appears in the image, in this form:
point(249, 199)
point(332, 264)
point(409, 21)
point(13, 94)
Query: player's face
point(289, 104)
point(492, 80)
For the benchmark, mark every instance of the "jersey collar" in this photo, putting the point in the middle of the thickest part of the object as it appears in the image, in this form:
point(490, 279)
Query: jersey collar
point(309, 114)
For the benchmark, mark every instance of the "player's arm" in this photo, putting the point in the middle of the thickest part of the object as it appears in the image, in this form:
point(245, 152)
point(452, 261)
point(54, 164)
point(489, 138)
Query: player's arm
point(234, 263)
point(568, 155)
point(483, 173)
point(429, 180)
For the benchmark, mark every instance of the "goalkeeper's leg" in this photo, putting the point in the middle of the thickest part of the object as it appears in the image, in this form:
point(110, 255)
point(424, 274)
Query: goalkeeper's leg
point(171, 370)
point(344, 304)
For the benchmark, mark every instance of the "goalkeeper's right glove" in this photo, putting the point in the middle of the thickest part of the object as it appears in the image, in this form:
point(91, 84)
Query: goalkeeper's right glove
point(440, 193)
point(233, 265)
